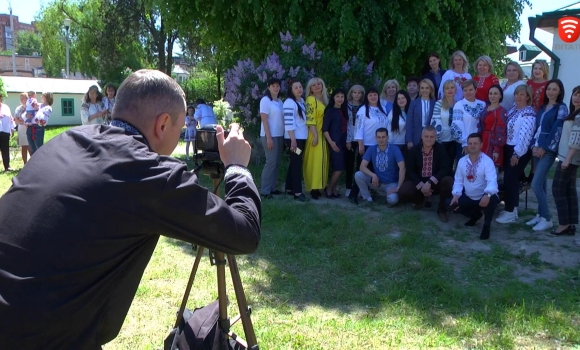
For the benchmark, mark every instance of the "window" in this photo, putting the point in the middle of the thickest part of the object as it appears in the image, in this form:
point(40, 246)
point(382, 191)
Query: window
point(68, 107)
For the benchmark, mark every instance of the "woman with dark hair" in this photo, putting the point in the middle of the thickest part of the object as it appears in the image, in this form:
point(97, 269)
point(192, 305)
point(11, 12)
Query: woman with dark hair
point(109, 101)
point(272, 136)
point(397, 121)
point(492, 128)
point(355, 99)
point(295, 135)
point(369, 118)
point(545, 144)
point(92, 108)
point(334, 129)
point(521, 125)
point(564, 184)
point(432, 70)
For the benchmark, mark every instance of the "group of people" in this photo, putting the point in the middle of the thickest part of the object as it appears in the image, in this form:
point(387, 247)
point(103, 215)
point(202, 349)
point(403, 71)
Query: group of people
point(200, 115)
point(29, 120)
point(444, 134)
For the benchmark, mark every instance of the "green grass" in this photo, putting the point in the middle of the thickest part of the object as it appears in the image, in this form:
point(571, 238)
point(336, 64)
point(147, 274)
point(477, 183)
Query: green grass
point(336, 277)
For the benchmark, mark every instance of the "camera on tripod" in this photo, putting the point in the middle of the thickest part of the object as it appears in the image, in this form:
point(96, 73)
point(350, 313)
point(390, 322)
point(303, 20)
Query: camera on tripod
point(208, 152)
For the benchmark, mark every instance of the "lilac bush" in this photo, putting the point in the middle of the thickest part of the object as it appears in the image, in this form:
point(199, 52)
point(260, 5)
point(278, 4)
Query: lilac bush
point(245, 83)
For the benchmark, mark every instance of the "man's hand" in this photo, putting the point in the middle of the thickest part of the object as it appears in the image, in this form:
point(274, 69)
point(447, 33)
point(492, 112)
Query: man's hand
point(361, 150)
point(235, 149)
point(269, 143)
point(484, 201)
point(455, 200)
point(426, 189)
point(375, 180)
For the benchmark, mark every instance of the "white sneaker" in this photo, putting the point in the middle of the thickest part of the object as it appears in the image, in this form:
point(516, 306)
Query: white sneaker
point(543, 225)
point(369, 199)
point(507, 217)
point(534, 221)
point(516, 211)
point(347, 193)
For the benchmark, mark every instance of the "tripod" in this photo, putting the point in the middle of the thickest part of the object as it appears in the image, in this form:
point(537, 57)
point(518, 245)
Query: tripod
point(215, 171)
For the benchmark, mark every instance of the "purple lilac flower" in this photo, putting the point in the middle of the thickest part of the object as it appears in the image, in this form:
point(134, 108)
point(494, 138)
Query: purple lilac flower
point(369, 68)
point(285, 37)
point(345, 67)
point(346, 84)
point(255, 92)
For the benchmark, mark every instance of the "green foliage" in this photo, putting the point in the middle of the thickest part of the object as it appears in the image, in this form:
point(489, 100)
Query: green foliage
point(201, 84)
point(2, 89)
point(396, 35)
point(27, 43)
point(223, 112)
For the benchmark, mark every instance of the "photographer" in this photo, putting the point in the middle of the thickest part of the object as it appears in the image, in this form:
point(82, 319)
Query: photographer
point(68, 274)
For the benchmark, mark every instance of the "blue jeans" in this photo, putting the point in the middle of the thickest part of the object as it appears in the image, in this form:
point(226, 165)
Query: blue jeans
point(540, 182)
point(35, 136)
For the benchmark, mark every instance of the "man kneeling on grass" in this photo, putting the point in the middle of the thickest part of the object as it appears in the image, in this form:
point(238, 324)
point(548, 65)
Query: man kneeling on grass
point(388, 166)
point(475, 186)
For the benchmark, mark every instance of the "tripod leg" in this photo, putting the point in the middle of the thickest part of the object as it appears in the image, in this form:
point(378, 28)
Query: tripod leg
point(189, 285)
point(242, 303)
point(222, 296)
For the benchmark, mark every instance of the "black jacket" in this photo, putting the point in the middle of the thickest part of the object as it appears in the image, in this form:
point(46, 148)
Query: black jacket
point(80, 224)
point(414, 163)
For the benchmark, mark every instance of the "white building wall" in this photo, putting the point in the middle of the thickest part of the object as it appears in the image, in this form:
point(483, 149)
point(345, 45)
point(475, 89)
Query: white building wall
point(56, 118)
point(569, 55)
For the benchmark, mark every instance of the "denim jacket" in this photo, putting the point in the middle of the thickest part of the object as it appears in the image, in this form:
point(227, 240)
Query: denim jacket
point(551, 127)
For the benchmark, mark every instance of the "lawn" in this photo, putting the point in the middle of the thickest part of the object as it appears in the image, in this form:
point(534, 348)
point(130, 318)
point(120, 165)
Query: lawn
point(332, 276)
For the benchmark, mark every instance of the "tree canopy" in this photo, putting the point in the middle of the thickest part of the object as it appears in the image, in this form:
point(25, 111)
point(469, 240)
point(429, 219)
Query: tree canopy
point(396, 35)
point(28, 43)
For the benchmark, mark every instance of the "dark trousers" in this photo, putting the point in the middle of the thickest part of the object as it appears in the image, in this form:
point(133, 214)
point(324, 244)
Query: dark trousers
point(5, 149)
point(355, 190)
point(409, 192)
point(294, 174)
point(472, 210)
point(35, 136)
point(565, 195)
point(511, 177)
point(451, 151)
point(350, 159)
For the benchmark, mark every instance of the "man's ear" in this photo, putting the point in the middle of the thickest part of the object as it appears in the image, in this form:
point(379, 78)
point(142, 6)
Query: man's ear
point(161, 123)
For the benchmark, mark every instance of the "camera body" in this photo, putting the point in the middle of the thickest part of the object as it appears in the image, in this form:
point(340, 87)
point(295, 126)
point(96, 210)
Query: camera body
point(207, 145)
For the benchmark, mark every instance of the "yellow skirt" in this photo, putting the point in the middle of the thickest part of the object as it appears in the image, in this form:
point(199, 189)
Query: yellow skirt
point(316, 163)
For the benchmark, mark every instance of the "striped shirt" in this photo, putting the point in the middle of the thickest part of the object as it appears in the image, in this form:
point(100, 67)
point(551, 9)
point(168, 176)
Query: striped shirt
point(293, 121)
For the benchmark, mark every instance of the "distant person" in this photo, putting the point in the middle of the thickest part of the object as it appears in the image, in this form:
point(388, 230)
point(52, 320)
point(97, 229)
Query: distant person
point(388, 94)
point(432, 71)
point(466, 116)
point(6, 131)
point(443, 118)
point(334, 130)
point(420, 113)
point(204, 113)
point(190, 133)
point(35, 130)
point(109, 101)
point(493, 126)
point(397, 121)
point(514, 74)
point(538, 83)
point(475, 186)
point(93, 109)
point(484, 78)
point(19, 117)
point(31, 106)
point(355, 99)
point(413, 87)
point(272, 136)
point(458, 72)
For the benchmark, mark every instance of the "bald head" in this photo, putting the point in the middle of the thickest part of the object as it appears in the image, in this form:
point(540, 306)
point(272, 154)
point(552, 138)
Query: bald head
point(145, 95)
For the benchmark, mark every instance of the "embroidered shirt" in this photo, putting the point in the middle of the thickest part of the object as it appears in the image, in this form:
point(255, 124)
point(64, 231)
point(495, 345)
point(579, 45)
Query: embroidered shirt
point(293, 121)
point(521, 124)
point(441, 121)
point(41, 117)
point(427, 170)
point(352, 110)
point(366, 127)
point(466, 119)
point(475, 178)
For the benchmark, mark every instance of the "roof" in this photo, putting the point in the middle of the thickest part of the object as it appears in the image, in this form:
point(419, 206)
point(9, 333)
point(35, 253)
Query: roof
point(179, 70)
point(59, 86)
point(550, 19)
point(530, 48)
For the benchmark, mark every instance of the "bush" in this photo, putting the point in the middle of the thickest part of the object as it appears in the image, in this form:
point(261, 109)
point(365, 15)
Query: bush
point(202, 84)
point(245, 83)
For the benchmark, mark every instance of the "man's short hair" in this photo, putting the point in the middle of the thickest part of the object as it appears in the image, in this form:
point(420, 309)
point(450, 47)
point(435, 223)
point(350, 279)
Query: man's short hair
point(429, 128)
point(412, 79)
point(469, 82)
point(146, 94)
point(382, 130)
point(475, 135)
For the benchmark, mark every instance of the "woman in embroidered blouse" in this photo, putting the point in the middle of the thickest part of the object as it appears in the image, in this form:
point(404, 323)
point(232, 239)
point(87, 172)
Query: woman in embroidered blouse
point(93, 109)
point(432, 70)
point(521, 125)
point(35, 131)
point(295, 135)
point(564, 184)
point(109, 101)
point(538, 83)
point(514, 74)
point(458, 72)
point(397, 121)
point(388, 94)
point(334, 129)
point(369, 118)
point(355, 99)
point(492, 128)
point(316, 160)
point(549, 122)
point(19, 115)
point(484, 78)
point(443, 118)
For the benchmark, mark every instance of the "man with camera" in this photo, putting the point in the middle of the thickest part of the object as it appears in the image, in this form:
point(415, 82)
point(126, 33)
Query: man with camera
point(81, 221)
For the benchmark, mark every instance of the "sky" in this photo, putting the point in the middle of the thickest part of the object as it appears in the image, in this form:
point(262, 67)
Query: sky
point(27, 9)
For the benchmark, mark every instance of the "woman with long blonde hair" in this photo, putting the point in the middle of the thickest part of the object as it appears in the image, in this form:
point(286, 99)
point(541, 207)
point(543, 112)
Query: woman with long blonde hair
point(316, 157)
point(388, 94)
point(443, 118)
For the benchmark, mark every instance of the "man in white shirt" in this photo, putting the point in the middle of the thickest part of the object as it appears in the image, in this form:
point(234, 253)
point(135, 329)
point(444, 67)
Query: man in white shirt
point(475, 186)
point(204, 113)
